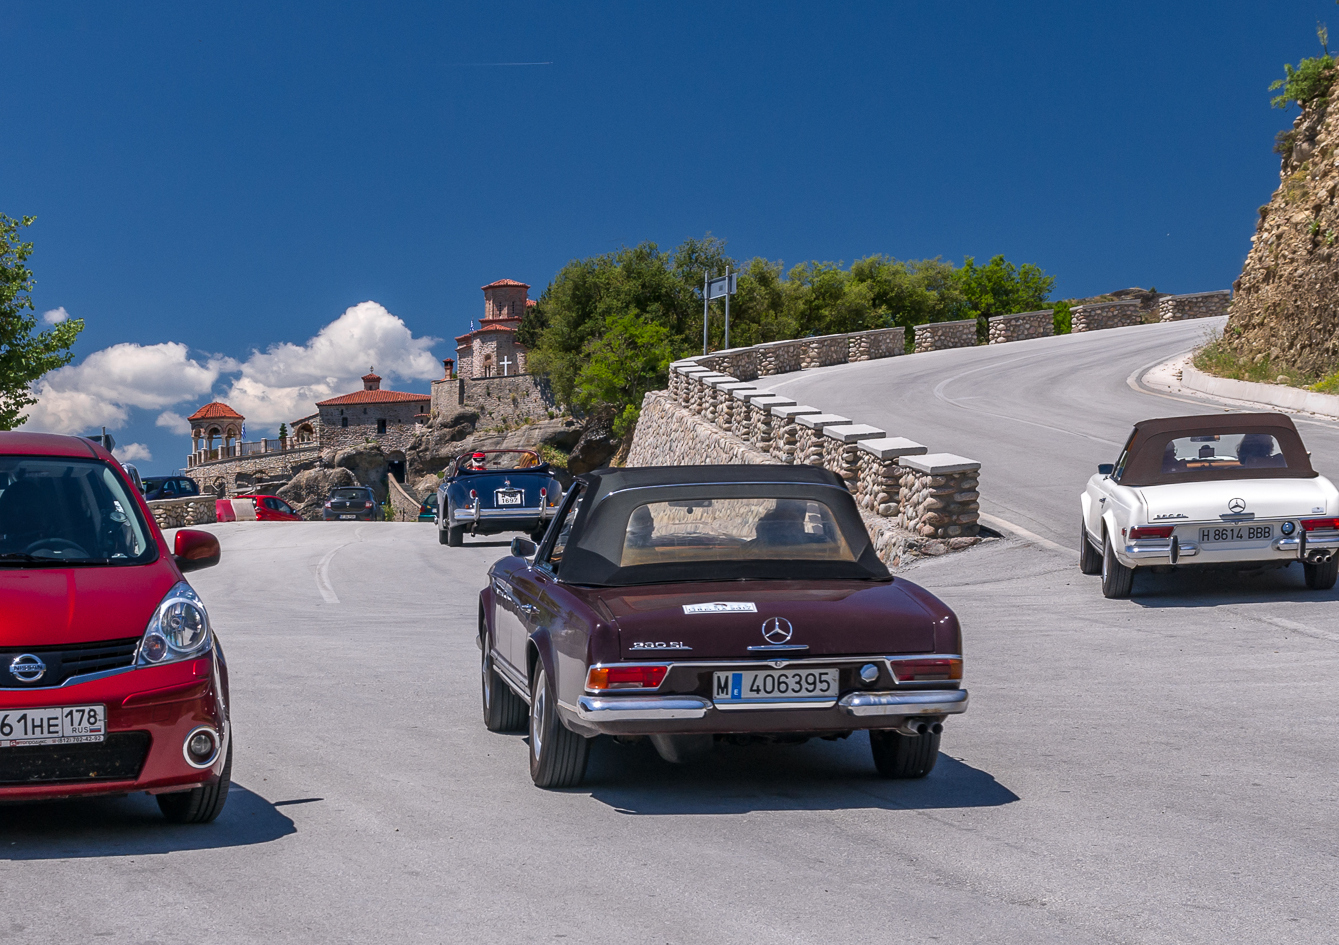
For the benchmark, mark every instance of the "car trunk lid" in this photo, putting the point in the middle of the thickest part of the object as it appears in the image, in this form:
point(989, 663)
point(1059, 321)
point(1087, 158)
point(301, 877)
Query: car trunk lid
point(1175, 503)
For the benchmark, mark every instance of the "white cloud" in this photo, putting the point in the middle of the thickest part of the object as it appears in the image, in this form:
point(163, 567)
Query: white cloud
point(174, 422)
point(269, 387)
point(129, 452)
point(55, 316)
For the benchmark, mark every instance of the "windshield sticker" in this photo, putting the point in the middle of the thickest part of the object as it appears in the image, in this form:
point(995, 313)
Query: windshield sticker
point(721, 607)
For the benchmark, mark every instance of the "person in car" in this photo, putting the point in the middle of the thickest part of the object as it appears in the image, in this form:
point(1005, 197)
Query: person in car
point(476, 463)
point(1256, 450)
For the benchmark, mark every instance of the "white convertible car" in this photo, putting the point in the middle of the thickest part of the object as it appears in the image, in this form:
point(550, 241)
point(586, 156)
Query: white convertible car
point(1233, 490)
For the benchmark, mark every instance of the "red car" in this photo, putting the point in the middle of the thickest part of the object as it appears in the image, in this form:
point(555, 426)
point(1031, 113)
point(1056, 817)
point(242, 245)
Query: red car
point(111, 679)
point(251, 507)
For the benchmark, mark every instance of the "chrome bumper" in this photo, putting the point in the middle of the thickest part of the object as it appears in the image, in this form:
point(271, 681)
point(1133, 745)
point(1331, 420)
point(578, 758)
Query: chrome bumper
point(599, 709)
point(1160, 548)
point(1312, 544)
point(479, 515)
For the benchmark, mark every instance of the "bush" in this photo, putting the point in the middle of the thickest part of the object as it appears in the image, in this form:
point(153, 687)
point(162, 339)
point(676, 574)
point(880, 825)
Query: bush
point(1063, 318)
point(1308, 82)
point(1218, 358)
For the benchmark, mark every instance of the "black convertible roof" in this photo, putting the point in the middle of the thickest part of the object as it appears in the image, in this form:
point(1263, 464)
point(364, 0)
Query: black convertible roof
point(632, 477)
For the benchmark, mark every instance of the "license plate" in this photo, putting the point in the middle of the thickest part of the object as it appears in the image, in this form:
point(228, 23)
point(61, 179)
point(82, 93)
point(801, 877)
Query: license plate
point(63, 725)
point(348, 516)
point(1236, 533)
point(776, 685)
point(510, 498)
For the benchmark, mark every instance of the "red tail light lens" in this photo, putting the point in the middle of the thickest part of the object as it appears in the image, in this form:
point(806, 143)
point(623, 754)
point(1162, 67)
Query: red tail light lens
point(1319, 524)
point(367, 505)
point(625, 677)
point(1151, 531)
point(927, 669)
point(543, 492)
point(474, 494)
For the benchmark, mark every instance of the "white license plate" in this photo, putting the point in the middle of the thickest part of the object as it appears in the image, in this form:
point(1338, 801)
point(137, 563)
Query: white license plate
point(62, 725)
point(510, 498)
point(1216, 533)
point(776, 685)
point(348, 516)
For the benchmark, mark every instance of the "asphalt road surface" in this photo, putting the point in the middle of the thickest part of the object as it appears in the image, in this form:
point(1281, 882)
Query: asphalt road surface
point(1158, 770)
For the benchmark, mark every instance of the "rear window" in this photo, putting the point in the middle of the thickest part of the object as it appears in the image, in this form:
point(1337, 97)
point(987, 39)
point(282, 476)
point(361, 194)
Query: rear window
point(349, 494)
point(733, 529)
point(68, 511)
point(1225, 451)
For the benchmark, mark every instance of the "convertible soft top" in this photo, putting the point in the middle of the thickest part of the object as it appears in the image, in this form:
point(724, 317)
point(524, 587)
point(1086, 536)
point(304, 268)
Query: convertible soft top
point(1143, 459)
point(595, 547)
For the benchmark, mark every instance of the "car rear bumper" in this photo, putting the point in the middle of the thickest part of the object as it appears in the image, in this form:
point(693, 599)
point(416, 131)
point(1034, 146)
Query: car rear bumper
point(1150, 552)
point(330, 516)
point(151, 713)
point(650, 715)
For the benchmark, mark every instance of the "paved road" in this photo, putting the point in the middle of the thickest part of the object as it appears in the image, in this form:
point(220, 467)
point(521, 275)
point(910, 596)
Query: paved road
point(1158, 770)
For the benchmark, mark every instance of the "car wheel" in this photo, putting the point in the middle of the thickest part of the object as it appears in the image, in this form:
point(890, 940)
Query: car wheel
point(904, 756)
point(1090, 559)
point(504, 710)
point(199, 805)
point(1321, 576)
point(557, 754)
point(1117, 579)
point(455, 536)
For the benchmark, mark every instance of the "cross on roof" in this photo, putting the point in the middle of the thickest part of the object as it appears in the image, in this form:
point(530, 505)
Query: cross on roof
point(506, 363)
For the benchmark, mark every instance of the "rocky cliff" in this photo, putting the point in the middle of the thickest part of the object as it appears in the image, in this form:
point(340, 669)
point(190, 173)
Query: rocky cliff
point(1286, 302)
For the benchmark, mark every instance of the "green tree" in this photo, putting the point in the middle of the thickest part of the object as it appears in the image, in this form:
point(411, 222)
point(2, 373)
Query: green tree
point(1001, 288)
point(632, 356)
point(25, 354)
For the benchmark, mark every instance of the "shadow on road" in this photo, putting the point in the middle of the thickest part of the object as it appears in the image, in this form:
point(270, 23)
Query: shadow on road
point(131, 826)
point(815, 776)
point(1190, 588)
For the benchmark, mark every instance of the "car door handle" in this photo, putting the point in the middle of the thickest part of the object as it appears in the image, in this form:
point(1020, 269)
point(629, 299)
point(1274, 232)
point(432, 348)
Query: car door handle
point(529, 609)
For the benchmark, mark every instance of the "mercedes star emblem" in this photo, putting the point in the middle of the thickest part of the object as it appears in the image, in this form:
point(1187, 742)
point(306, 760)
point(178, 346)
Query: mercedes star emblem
point(1236, 506)
point(777, 630)
point(27, 668)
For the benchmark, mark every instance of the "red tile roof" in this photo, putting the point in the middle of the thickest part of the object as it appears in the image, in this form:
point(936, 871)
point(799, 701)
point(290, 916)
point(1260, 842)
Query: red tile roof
point(374, 397)
point(216, 411)
point(371, 377)
point(505, 282)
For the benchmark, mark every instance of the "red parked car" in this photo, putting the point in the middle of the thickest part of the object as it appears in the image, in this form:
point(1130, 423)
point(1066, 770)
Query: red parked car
point(251, 507)
point(111, 679)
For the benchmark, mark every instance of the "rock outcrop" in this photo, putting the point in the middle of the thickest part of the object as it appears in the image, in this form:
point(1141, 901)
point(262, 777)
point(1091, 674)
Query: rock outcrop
point(307, 491)
point(368, 465)
point(1286, 302)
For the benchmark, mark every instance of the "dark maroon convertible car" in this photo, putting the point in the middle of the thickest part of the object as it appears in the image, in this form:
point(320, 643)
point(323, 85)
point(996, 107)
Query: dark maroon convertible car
point(693, 603)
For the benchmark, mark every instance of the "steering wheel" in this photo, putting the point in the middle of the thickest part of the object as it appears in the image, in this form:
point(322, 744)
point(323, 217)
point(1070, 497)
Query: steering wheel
point(57, 545)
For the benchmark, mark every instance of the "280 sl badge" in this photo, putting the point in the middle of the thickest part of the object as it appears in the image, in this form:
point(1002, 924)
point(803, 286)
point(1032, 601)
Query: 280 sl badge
point(648, 645)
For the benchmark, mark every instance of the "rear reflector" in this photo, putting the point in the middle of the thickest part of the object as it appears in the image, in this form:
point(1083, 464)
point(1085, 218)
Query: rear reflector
point(927, 668)
point(625, 677)
point(1319, 524)
point(1151, 531)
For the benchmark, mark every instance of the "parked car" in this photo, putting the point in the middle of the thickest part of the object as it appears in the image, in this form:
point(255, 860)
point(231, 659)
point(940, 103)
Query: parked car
point(111, 678)
point(691, 603)
point(169, 487)
point(492, 491)
point(350, 503)
point(1229, 491)
point(251, 508)
point(427, 512)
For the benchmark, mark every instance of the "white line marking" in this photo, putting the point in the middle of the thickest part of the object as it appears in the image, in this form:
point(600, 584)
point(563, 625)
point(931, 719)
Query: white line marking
point(323, 575)
point(1018, 531)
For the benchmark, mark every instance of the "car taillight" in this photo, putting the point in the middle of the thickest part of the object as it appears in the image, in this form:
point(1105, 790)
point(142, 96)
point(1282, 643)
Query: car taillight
point(327, 503)
point(927, 669)
point(1151, 531)
point(625, 677)
point(473, 494)
point(367, 505)
point(1319, 524)
point(542, 493)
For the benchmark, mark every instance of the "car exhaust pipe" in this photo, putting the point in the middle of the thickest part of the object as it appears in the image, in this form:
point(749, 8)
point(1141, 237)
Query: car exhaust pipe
point(914, 727)
point(937, 728)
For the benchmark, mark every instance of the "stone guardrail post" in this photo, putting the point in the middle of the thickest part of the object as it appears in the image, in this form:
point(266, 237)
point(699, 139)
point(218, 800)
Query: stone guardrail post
point(762, 422)
point(183, 513)
point(1098, 316)
point(786, 431)
point(936, 336)
point(1175, 308)
point(880, 474)
point(810, 449)
point(1021, 327)
point(841, 450)
point(939, 497)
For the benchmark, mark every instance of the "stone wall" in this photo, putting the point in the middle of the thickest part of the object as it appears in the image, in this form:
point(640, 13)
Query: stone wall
point(362, 425)
point(1175, 308)
point(500, 401)
point(799, 354)
point(226, 478)
point(1098, 316)
point(940, 335)
point(404, 505)
point(1020, 327)
point(183, 513)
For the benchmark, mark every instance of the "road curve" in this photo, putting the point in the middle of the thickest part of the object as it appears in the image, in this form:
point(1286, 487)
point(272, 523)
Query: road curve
point(1039, 415)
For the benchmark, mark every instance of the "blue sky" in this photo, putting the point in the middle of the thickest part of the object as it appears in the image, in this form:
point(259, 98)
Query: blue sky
point(217, 186)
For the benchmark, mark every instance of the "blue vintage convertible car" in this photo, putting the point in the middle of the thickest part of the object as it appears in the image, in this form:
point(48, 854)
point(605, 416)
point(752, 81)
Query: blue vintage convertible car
point(492, 491)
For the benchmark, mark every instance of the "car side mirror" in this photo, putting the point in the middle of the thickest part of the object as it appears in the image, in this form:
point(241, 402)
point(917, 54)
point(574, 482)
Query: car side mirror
point(523, 548)
point(194, 550)
point(1105, 469)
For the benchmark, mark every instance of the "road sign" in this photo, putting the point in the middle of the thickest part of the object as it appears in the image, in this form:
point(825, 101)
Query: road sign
point(720, 288)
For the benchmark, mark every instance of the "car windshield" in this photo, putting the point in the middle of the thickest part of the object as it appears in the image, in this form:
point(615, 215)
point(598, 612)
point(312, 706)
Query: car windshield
point(720, 530)
point(1222, 451)
point(57, 511)
point(349, 494)
point(490, 460)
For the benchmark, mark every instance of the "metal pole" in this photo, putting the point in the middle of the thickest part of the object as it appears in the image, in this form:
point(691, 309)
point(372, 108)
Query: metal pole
point(727, 308)
point(706, 282)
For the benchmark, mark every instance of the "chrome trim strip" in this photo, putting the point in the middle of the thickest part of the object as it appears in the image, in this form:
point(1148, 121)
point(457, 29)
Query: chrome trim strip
point(185, 743)
point(76, 680)
point(510, 675)
point(929, 702)
point(641, 708)
point(781, 704)
point(779, 648)
point(1160, 548)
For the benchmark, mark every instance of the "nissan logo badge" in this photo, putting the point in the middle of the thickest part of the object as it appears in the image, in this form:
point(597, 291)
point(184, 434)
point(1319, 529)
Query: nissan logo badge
point(27, 668)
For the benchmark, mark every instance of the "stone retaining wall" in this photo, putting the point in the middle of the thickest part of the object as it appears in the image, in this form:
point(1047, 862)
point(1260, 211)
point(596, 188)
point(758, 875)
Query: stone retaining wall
point(1102, 315)
point(1175, 308)
point(799, 354)
point(403, 504)
point(1020, 327)
point(940, 335)
point(183, 513)
point(226, 478)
